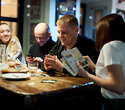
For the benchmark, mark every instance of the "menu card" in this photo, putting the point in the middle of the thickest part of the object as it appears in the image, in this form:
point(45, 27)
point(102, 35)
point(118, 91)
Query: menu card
point(70, 59)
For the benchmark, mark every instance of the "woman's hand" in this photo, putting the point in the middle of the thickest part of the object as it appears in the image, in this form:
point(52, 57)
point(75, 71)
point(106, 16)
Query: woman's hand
point(82, 72)
point(90, 62)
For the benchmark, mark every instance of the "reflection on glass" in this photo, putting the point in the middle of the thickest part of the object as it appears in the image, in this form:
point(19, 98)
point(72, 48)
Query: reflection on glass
point(9, 8)
point(13, 27)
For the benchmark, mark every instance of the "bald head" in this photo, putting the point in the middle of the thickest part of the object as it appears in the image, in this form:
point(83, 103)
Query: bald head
point(42, 33)
point(42, 28)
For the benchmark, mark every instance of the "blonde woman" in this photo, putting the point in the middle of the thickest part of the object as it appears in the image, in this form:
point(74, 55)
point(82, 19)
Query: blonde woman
point(13, 46)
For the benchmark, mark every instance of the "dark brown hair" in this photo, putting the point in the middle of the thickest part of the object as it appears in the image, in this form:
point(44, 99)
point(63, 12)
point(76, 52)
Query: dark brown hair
point(109, 28)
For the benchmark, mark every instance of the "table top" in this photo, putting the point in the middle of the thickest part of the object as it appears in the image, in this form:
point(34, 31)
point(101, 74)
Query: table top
point(34, 86)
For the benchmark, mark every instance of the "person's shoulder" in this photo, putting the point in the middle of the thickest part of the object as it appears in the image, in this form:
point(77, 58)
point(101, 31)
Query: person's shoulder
point(58, 42)
point(14, 39)
point(110, 46)
point(34, 45)
point(50, 43)
point(58, 45)
point(86, 40)
point(51, 40)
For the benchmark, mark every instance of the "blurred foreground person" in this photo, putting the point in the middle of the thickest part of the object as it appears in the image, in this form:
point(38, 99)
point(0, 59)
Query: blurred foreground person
point(110, 66)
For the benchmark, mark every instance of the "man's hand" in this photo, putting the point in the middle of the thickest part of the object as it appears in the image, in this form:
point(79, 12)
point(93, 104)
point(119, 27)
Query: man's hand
point(52, 62)
point(34, 59)
point(38, 60)
point(29, 59)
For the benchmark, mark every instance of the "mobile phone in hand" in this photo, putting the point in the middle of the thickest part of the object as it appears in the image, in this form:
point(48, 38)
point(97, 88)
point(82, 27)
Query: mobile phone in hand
point(29, 55)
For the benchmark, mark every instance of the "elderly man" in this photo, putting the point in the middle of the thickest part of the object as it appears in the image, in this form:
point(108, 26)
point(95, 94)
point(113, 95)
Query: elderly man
point(67, 28)
point(43, 44)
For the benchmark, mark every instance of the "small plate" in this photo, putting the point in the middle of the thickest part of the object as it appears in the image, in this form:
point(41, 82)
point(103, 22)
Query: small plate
point(15, 76)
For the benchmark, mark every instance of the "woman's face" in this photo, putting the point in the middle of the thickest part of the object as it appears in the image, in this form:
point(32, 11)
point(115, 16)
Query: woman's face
point(5, 33)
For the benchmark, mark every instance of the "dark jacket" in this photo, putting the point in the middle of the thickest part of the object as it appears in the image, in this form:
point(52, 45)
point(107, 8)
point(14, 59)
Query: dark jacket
point(40, 51)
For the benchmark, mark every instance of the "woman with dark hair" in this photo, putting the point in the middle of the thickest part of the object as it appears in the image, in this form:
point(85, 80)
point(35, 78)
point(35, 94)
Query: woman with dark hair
point(110, 66)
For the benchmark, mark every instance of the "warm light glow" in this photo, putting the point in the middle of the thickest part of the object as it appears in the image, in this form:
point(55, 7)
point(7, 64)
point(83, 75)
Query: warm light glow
point(9, 8)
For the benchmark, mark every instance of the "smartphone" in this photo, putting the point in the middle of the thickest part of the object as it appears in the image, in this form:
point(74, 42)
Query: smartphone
point(29, 55)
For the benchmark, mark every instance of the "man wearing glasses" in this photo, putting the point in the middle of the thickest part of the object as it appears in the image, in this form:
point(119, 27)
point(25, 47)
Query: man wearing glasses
point(43, 44)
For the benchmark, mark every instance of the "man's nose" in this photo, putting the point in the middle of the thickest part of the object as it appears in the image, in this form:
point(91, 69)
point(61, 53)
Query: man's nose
point(38, 40)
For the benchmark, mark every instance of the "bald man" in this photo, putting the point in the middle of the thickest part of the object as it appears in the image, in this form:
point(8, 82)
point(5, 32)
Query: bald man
point(43, 44)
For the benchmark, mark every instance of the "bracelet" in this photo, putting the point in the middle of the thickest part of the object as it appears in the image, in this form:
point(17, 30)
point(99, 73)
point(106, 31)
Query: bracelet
point(62, 70)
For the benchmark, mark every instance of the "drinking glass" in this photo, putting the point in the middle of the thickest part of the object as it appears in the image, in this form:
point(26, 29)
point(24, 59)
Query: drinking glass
point(33, 67)
point(3, 55)
point(19, 67)
point(4, 58)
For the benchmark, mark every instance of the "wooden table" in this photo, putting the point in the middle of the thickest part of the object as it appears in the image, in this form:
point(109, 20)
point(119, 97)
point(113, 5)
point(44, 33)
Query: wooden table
point(33, 94)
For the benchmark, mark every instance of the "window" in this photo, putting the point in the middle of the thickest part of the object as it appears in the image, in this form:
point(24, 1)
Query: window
point(9, 8)
point(11, 12)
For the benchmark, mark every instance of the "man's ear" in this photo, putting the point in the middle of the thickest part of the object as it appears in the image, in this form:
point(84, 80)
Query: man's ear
point(76, 29)
point(49, 34)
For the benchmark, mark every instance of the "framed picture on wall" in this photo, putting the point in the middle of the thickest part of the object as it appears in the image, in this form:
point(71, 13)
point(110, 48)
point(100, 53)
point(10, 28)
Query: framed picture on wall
point(98, 14)
point(64, 7)
point(32, 38)
point(35, 9)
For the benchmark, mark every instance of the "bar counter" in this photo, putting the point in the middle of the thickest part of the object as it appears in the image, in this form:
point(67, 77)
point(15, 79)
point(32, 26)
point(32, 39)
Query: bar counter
point(32, 94)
